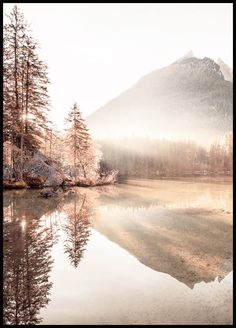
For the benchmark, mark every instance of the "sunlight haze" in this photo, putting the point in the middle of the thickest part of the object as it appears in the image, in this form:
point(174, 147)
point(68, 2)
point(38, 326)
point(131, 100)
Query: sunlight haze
point(96, 51)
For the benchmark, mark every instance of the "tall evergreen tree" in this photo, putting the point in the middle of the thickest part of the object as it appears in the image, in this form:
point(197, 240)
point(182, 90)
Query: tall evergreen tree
point(25, 94)
point(78, 139)
point(13, 38)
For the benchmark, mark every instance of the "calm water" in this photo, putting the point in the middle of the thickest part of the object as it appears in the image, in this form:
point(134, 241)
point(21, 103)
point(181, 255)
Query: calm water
point(144, 252)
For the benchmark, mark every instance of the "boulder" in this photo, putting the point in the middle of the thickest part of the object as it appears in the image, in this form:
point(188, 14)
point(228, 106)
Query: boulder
point(38, 171)
point(34, 181)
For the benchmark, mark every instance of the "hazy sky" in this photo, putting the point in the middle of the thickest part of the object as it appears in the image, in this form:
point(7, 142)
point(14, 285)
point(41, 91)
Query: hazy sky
point(96, 51)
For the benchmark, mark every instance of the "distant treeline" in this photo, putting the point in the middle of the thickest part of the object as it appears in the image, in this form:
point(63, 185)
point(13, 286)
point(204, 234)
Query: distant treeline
point(147, 158)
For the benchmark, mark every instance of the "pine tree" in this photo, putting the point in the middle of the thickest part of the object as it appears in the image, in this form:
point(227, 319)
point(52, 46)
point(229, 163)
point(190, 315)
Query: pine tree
point(80, 143)
point(36, 97)
point(13, 38)
point(25, 94)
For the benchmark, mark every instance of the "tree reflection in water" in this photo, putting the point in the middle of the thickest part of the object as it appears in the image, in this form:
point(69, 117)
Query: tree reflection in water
point(30, 230)
point(27, 263)
point(77, 228)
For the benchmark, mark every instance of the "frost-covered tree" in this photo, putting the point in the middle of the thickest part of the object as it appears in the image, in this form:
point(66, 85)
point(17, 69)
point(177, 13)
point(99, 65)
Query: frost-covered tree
point(25, 94)
point(81, 149)
point(13, 37)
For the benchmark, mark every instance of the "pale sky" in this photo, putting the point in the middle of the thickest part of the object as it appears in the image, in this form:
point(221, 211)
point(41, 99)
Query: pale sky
point(96, 51)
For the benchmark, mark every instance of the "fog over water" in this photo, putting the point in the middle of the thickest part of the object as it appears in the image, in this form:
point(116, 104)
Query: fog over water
point(129, 253)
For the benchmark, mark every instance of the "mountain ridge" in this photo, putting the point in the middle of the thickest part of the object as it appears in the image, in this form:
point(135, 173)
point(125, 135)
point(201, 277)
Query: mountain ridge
point(182, 100)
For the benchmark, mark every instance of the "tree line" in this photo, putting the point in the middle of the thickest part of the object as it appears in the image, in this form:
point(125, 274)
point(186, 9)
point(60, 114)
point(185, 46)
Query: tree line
point(150, 158)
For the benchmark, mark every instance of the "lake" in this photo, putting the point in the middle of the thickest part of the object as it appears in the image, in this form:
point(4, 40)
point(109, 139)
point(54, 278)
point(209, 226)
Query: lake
point(140, 252)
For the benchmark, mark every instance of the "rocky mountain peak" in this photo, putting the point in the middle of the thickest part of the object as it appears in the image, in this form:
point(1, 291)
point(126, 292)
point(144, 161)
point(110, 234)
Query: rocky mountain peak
point(226, 70)
point(187, 99)
point(205, 65)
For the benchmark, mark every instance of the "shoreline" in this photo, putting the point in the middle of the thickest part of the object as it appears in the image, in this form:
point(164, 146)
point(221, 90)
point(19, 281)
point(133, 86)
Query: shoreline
point(20, 185)
point(211, 179)
point(214, 179)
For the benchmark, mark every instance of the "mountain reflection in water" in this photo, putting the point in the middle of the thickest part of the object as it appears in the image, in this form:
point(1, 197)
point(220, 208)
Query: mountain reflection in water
point(179, 229)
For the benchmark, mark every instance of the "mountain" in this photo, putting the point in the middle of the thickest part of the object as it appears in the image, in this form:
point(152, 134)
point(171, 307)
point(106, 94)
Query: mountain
point(189, 99)
point(226, 70)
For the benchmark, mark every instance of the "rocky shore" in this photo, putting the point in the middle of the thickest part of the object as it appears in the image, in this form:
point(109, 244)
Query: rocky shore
point(39, 172)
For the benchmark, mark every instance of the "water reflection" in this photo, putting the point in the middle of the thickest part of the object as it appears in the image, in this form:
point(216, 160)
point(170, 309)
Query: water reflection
point(31, 228)
point(180, 228)
point(138, 194)
point(182, 231)
point(77, 228)
point(27, 264)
